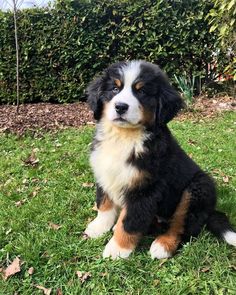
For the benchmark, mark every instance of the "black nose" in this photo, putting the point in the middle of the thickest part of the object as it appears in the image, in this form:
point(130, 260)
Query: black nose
point(121, 107)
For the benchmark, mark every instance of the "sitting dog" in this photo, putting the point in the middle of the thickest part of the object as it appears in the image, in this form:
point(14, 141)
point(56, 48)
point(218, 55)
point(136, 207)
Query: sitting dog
point(145, 181)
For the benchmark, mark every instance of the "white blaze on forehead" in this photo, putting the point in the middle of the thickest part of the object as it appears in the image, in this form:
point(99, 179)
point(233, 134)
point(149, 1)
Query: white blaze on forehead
point(131, 72)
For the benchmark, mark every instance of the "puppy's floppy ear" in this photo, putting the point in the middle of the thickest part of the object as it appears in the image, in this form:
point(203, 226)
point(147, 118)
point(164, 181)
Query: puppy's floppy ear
point(94, 98)
point(170, 102)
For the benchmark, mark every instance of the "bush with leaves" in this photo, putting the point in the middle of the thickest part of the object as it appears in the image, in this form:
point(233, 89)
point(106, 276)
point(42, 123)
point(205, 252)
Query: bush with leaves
point(222, 18)
point(63, 47)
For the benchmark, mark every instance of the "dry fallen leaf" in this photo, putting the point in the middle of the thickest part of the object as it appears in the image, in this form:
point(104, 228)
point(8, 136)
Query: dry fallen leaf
point(20, 203)
point(59, 292)
point(90, 123)
point(83, 276)
point(54, 226)
point(12, 269)
point(85, 236)
point(87, 184)
point(192, 142)
point(104, 274)
point(30, 270)
point(226, 179)
point(233, 267)
point(205, 269)
point(32, 160)
point(45, 290)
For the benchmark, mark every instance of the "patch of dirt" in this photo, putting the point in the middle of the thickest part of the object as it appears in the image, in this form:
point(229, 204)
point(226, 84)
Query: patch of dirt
point(204, 107)
point(41, 117)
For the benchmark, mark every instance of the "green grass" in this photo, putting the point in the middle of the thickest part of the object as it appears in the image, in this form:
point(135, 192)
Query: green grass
point(204, 266)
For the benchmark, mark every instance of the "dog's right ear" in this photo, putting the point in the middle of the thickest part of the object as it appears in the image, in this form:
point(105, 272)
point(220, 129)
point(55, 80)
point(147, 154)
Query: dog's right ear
point(94, 99)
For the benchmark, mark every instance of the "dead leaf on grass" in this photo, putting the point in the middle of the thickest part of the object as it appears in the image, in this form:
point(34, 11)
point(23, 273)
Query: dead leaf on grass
point(90, 123)
point(226, 179)
point(12, 269)
point(32, 160)
point(45, 290)
point(192, 142)
point(205, 269)
point(233, 267)
point(30, 271)
point(20, 203)
point(85, 236)
point(87, 184)
point(54, 226)
point(83, 276)
point(59, 292)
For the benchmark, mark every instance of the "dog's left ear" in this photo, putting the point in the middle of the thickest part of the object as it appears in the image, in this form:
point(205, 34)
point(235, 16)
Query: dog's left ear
point(170, 102)
point(94, 99)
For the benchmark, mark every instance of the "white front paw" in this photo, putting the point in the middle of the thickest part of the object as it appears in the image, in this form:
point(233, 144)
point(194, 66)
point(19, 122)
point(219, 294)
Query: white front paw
point(158, 251)
point(114, 251)
point(101, 224)
point(95, 229)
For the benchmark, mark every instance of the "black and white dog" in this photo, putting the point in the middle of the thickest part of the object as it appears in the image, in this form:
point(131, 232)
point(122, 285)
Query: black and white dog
point(145, 181)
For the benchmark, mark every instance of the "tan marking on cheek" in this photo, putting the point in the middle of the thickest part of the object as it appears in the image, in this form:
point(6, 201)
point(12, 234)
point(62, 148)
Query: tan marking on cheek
point(124, 239)
point(171, 239)
point(138, 85)
point(147, 116)
point(118, 83)
point(106, 204)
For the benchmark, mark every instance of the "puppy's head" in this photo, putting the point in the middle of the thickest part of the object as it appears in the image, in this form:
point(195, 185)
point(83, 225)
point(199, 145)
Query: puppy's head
point(133, 94)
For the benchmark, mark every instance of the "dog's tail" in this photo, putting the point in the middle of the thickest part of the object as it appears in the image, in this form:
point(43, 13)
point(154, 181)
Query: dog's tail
point(220, 226)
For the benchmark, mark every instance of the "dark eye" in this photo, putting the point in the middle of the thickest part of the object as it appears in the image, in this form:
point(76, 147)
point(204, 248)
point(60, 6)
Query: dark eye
point(115, 90)
point(141, 90)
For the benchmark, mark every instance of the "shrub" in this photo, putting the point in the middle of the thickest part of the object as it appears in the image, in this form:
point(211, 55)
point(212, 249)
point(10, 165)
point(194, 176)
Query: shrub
point(63, 47)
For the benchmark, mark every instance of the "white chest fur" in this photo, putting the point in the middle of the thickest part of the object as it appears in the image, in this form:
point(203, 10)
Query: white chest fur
point(109, 159)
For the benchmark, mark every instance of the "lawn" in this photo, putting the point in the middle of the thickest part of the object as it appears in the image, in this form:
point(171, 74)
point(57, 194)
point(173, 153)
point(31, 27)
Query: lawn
point(57, 190)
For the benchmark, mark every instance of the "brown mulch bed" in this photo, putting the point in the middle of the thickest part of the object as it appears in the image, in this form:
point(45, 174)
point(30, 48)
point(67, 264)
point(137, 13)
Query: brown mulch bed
point(205, 107)
point(37, 118)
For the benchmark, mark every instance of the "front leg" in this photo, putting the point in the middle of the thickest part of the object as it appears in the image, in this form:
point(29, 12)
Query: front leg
point(106, 217)
point(134, 221)
point(122, 243)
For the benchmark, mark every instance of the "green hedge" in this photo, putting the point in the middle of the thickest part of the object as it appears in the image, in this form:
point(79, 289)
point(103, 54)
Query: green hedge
point(63, 47)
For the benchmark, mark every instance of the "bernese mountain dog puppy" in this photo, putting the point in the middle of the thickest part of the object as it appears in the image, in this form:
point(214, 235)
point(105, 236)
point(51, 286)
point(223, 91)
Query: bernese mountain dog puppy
point(145, 181)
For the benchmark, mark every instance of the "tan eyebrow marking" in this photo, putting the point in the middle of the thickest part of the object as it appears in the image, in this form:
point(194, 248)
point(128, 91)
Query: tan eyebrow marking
point(118, 83)
point(138, 85)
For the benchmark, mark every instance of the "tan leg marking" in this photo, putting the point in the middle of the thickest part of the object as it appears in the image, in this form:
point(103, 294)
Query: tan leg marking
point(122, 243)
point(166, 244)
point(106, 204)
point(124, 239)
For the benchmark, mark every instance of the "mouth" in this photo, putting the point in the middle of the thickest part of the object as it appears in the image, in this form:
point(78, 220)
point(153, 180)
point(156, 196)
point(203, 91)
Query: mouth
point(120, 119)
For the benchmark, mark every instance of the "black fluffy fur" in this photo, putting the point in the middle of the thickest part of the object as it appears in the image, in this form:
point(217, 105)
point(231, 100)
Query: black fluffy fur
point(172, 170)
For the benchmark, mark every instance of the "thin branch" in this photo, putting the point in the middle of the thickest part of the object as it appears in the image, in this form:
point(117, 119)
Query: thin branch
point(17, 55)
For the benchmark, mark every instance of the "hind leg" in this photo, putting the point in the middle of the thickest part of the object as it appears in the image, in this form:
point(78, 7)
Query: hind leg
point(165, 245)
point(197, 204)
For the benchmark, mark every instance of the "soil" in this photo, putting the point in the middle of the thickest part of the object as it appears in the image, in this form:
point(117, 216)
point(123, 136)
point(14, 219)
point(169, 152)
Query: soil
point(41, 117)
